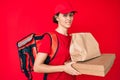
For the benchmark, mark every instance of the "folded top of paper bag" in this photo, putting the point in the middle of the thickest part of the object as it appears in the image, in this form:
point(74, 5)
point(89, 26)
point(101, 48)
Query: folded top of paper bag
point(83, 47)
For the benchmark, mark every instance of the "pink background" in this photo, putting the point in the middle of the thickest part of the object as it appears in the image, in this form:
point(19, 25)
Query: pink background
point(21, 17)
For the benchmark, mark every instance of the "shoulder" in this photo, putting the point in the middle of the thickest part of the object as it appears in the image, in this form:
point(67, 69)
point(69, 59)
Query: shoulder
point(50, 35)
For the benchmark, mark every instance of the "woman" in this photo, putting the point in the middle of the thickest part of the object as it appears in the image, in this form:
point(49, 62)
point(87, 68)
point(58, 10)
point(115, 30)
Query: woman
point(57, 70)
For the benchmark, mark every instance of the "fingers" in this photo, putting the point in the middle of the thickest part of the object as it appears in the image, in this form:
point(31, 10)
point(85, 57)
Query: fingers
point(70, 70)
point(75, 72)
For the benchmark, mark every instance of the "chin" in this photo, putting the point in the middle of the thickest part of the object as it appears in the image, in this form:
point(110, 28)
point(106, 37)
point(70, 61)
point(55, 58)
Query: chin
point(68, 26)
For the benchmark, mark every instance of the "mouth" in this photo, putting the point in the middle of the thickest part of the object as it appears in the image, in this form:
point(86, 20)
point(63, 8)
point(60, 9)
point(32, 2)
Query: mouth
point(68, 22)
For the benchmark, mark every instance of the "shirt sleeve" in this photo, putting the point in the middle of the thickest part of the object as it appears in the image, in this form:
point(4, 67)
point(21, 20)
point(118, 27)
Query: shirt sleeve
point(44, 45)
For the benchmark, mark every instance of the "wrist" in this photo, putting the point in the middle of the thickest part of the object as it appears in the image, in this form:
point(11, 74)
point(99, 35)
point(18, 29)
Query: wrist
point(62, 68)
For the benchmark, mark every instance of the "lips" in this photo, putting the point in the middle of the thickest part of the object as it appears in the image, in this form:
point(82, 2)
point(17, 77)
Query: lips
point(68, 22)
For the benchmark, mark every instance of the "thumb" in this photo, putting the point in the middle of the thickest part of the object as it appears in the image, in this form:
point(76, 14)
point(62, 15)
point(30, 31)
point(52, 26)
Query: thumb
point(72, 63)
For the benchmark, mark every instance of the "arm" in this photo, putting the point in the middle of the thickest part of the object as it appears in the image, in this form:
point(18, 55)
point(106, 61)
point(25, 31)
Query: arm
point(40, 67)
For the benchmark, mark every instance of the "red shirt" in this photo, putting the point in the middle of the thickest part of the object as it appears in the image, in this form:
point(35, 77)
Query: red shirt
point(61, 56)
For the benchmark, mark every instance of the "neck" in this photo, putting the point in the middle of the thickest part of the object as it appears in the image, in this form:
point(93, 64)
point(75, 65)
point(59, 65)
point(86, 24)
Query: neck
point(62, 30)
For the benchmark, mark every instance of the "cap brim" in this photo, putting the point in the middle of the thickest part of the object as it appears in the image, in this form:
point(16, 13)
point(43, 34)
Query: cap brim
point(67, 11)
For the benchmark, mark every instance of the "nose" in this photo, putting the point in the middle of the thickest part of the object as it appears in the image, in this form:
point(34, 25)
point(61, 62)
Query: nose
point(69, 17)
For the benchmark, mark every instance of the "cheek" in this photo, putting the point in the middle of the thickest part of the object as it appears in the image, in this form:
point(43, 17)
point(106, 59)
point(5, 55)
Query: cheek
point(72, 18)
point(61, 20)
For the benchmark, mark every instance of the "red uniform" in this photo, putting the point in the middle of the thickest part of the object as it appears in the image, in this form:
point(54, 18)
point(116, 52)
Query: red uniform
point(61, 56)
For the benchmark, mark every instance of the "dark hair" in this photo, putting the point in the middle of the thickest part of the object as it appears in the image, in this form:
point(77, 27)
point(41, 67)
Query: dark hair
point(54, 18)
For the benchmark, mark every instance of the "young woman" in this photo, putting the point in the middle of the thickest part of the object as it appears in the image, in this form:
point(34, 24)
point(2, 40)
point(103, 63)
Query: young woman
point(56, 69)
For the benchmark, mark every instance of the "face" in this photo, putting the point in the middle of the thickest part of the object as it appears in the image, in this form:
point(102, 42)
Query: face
point(65, 20)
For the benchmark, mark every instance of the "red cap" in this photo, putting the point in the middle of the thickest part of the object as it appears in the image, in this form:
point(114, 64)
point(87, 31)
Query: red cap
point(64, 8)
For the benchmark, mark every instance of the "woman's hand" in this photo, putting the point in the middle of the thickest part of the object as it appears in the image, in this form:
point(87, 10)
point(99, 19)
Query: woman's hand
point(70, 70)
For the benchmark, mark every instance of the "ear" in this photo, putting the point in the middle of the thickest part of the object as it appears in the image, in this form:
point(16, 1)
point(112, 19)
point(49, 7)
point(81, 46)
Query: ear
point(56, 17)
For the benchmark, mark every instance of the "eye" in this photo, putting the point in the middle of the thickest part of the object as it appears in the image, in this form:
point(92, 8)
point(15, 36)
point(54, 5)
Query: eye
point(71, 14)
point(65, 15)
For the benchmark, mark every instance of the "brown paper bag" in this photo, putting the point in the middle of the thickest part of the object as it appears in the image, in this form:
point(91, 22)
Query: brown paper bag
point(83, 47)
point(99, 66)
